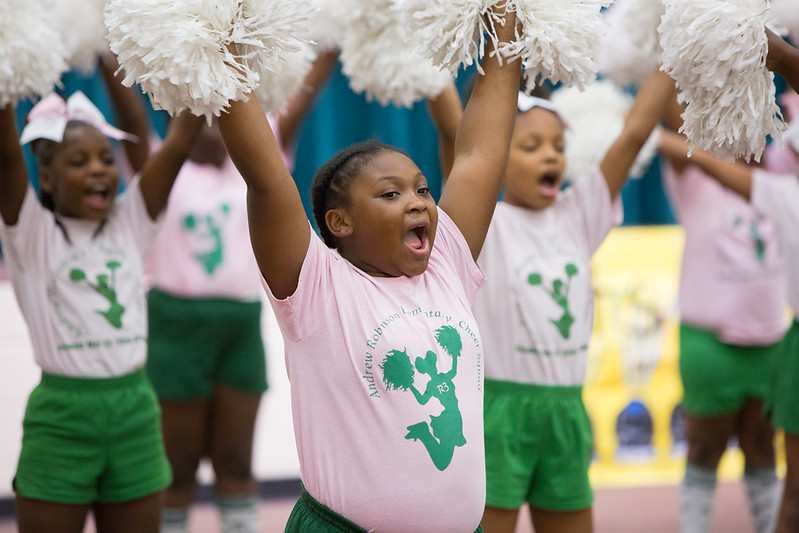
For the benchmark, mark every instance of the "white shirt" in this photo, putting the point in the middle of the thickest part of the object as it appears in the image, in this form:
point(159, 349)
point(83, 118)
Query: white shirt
point(536, 308)
point(83, 298)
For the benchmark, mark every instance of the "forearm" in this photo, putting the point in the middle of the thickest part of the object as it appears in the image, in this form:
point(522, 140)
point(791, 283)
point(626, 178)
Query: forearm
point(291, 119)
point(783, 59)
point(446, 111)
point(130, 111)
point(13, 173)
point(162, 168)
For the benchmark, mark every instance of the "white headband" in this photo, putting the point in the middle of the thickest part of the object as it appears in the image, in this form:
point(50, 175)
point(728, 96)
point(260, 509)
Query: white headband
point(526, 102)
point(48, 119)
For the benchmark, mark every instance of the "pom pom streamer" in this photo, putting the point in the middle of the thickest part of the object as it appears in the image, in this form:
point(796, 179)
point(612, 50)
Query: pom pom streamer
point(326, 24)
point(83, 31)
point(275, 89)
point(379, 59)
point(595, 118)
point(715, 50)
point(179, 51)
point(452, 32)
point(630, 50)
point(559, 41)
point(32, 55)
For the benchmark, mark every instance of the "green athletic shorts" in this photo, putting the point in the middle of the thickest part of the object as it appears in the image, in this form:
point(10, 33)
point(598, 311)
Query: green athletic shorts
point(717, 378)
point(783, 401)
point(92, 440)
point(538, 447)
point(310, 516)
point(194, 344)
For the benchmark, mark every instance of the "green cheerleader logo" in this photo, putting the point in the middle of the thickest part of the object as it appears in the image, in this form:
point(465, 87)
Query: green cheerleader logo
point(444, 433)
point(105, 286)
point(560, 295)
point(207, 228)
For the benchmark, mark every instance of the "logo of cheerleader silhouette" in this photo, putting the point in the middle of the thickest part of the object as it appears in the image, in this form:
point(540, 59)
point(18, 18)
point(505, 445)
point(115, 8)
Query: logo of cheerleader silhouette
point(105, 289)
point(207, 228)
point(757, 239)
point(444, 432)
point(560, 294)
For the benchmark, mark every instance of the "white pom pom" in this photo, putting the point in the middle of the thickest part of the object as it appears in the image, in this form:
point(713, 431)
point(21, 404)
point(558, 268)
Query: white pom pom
point(178, 51)
point(559, 40)
point(452, 32)
point(786, 13)
point(379, 58)
point(630, 50)
point(716, 51)
point(32, 55)
point(83, 31)
point(275, 89)
point(595, 118)
point(327, 21)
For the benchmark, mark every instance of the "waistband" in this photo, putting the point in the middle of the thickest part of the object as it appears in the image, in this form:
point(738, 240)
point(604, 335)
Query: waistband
point(93, 384)
point(511, 387)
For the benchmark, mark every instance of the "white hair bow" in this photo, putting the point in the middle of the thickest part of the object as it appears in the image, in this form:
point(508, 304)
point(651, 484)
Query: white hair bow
point(48, 119)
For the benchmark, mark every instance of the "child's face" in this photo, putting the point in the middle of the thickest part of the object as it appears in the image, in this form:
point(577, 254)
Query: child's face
point(390, 220)
point(82, 177)
point(536, 161)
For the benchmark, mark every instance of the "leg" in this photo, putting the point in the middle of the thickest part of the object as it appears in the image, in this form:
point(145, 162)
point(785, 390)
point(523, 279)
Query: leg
point(707, 439)
point(136, 516)
point(498, 520)
point(544, 521)
point(233, 416)
point(788, 520)
point(34, 516)
point(756, 439)
point(185, 427)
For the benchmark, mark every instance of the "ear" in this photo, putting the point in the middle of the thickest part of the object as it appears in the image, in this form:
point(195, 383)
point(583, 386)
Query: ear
point(46, 179)
point(338, 222)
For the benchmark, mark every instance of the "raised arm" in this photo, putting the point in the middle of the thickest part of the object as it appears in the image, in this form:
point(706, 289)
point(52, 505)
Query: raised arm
point(291, 119)
point(13, 173)
point(279, 228)
point(735, 176)
point(649, 108)
point(130, 112)
point(783, 59)
point(446, 111)
point(162, 167)
point(482, 145)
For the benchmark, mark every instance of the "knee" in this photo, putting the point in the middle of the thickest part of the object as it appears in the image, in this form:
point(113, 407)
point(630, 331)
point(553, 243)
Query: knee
point(184, 470)
point(706, 452)
point(232, 465)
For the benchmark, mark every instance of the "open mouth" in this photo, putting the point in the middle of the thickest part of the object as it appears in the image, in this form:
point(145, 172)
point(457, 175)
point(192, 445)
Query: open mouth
point(417, 238)
point(98, 196)
point(549, 184)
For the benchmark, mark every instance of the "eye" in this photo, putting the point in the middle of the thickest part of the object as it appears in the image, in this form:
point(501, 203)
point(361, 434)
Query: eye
point(423, 191)
point(390, 194)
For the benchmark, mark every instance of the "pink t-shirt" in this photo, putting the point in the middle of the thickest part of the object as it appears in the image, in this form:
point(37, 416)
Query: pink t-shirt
point(781, 159)
point(386, 388)
point(732, 268)
point(203, 249)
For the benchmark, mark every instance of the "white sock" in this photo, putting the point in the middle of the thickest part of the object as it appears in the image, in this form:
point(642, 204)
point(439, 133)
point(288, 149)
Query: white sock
point(174, 520)
point(696, 498)
point(764, 493)
point(239, 514)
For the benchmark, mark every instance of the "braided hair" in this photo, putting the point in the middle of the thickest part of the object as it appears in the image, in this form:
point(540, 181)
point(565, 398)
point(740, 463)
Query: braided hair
point(331, 182)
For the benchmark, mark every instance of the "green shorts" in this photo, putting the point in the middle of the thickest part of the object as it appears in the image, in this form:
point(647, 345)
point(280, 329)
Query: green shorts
point(783, 400)
point(92, 440)
point(717, 378)
point(538, 447)
point(194, 344)
point(310, 516)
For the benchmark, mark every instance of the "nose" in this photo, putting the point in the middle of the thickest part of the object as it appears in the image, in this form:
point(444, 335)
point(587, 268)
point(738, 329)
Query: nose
point(97, 165)
point(417, 203)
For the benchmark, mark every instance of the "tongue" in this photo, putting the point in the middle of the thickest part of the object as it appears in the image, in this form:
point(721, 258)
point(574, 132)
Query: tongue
point(97, 200)
point(413, 240)
point(547, 189)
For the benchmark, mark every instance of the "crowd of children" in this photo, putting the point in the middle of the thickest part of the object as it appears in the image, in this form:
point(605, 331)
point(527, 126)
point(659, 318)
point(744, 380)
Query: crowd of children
point(436, 350)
